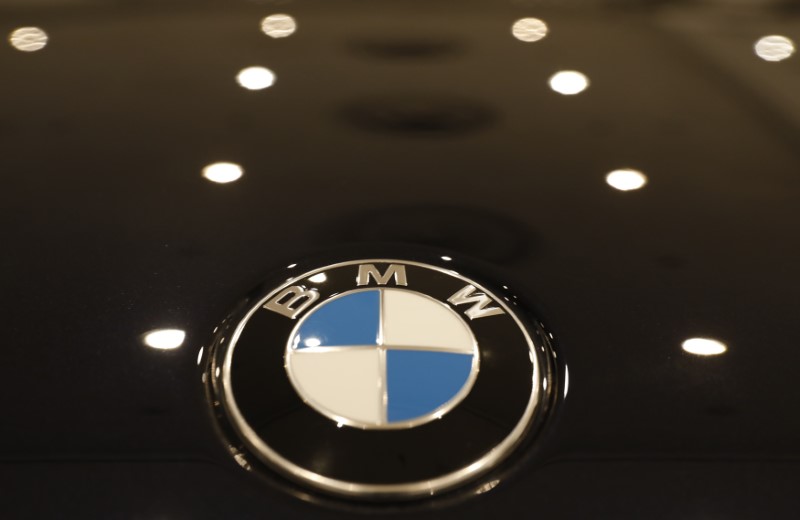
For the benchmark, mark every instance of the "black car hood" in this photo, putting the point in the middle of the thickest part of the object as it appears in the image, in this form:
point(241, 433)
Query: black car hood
point(412, 124)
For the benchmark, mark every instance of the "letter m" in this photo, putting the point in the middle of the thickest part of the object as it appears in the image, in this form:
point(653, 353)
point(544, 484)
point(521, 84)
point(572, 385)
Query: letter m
point(480, 301)
point(394, 270)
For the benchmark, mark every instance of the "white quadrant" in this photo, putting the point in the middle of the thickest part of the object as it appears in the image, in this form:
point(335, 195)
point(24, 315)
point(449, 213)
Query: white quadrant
point(345, 381)
point(410, 319)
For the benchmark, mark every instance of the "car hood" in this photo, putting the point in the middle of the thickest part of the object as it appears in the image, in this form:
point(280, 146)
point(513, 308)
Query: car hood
point(408, 125)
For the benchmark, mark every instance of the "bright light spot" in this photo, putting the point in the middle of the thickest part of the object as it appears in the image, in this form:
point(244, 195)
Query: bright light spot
point(318, 278)
point(28, 39)
point(255, 78)
point(446, 258)
point(312, 342)
point(569, 82)
point(626, 179)
point(223, 172)
point(291, 266)
point(241, 460)
point(339, 424)
point(704, 346)
point(774, 48)
point(529, 29)
point(487, 487)
point(200, 355)
point(278, 25)
point(164, 339)
point(566, 381)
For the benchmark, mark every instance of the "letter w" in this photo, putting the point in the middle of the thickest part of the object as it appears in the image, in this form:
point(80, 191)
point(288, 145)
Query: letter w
point(480, 308)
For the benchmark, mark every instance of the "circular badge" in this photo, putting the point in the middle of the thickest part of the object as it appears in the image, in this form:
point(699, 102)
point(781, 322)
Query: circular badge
point(381, 378)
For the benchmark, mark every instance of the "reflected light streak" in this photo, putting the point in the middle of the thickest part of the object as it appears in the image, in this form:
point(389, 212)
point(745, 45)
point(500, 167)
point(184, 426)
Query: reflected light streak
point(704, 346)
point(774, 48)
point(626, 179)
point(165, 339)
point(529, 29)
point(223, 172)
point(278, 25)
point(255, 78)
point(569, 82)
point(312, 342)
point(28, 39)
point(487, 487)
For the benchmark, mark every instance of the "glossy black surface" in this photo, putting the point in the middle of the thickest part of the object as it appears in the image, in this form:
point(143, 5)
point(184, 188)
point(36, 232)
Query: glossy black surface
point(408, 123)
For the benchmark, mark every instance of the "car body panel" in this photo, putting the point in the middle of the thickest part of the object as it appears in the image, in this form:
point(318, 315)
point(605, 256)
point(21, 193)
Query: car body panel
point(408, 124)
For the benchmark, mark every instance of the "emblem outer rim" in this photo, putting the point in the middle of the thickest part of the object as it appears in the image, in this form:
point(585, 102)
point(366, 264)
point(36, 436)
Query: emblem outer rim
point(358, 489)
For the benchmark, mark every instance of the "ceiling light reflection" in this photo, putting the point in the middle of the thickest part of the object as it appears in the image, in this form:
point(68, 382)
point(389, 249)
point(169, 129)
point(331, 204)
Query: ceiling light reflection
point(28, 39)
point(255, 78)
point(223, 172)
point(774, 48)
point(704, 346)
point(318, 278)
point(529, 29)
point(626, 179)
point(569, 82)
point(164, 339)
point(278, 25)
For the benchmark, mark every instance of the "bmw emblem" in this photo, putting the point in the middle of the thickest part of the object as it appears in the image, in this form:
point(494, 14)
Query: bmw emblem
point(380, 379)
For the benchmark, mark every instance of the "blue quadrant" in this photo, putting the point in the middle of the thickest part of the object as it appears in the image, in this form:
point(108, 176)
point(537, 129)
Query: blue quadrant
point(419, 382)
point(352, 319)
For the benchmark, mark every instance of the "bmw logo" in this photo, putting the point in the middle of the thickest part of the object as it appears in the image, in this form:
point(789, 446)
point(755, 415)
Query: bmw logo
point(380, 379)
